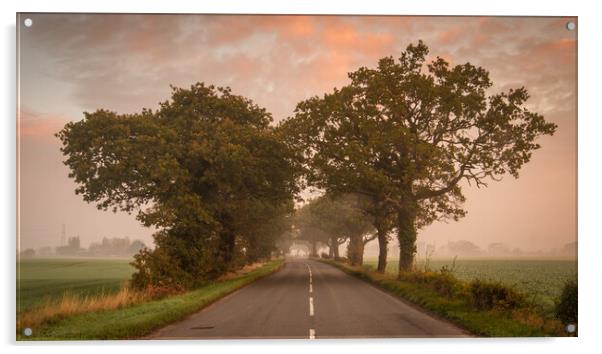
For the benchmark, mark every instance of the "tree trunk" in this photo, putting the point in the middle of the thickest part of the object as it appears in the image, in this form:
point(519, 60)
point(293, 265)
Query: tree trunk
point(227, 247)
point(355, 250)
point(406, 234)
point(314, 250)
point(334, 247)
point(382, 249)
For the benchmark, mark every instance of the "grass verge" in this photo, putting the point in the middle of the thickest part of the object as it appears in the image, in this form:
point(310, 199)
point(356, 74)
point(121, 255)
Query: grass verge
point(140, 319)
point(456, 306)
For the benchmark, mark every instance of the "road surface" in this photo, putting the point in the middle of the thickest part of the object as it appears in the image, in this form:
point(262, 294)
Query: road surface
point(309, 299)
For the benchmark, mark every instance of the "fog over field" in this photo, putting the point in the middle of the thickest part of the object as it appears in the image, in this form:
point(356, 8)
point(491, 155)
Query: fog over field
point(71, 64)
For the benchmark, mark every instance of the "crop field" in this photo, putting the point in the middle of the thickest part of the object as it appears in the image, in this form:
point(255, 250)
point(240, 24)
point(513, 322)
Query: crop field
point(41, 280)
point(540, 279)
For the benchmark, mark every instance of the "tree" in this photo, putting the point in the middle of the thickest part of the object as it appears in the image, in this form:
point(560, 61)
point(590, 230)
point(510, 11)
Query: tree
point(310, 227)
point(407, 134)
point(461, 248)
point(27, 253)
point(206, 168)
point(333, 221)
point(338, 156)
point(498, 249)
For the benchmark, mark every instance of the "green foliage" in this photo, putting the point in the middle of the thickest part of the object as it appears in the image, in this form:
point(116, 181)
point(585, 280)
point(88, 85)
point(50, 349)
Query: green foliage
point(566, 307)
point(331, 220)
point(445, 284)
point(541, 280)
point(406, 133)
point(494, 295)
point(206, 168)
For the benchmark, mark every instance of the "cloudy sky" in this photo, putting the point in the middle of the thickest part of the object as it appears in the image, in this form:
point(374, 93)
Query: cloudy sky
point(75, 63)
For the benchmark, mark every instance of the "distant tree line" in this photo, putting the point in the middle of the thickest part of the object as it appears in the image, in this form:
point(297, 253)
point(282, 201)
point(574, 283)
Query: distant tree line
point(108, 247)
point(219, 181)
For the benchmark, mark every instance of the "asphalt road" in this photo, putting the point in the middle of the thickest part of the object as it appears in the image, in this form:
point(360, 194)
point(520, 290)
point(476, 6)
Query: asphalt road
point(309, 299)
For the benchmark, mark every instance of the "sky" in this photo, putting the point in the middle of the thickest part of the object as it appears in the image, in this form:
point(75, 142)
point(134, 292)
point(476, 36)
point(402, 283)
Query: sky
point(73, 63)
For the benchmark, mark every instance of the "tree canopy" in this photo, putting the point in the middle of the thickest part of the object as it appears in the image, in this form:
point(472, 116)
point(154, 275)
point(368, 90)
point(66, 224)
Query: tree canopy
point(206, 168)
point(406, 133)
point(391, 150)
point(334, 220)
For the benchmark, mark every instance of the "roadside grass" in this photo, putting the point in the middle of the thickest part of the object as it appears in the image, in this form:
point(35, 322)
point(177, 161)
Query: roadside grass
point(72, 304)
point(128, 315)
point(540, 279)
point(449, 298)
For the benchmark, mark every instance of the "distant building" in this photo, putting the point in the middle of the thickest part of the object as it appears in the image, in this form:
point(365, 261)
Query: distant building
point(71, 249)
point(115, 247)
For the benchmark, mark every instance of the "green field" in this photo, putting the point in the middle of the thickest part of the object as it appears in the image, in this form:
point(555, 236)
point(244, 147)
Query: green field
point(42, 279)
point(540, 279)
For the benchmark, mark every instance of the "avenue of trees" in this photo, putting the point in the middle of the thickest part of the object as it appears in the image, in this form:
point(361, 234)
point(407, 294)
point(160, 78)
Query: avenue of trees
point(219, 181)
point(334, 221)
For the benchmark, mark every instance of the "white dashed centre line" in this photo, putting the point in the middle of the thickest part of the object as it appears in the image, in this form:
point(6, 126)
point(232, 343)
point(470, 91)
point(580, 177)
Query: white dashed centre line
point(312, 332)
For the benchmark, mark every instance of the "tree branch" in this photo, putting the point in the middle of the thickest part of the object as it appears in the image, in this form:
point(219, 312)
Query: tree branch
point(370, 238)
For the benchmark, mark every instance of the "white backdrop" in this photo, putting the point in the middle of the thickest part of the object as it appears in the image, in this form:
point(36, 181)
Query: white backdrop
point(589, 150)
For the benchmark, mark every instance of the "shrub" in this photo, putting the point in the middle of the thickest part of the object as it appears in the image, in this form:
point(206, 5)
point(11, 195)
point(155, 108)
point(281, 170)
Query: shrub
point(158, 271)
point(493, 295)
point(566, 306)
point(443, 283)
point(324, 255)
point(176, 263)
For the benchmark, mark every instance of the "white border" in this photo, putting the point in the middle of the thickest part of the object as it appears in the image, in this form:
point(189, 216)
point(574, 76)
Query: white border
point(590, 238)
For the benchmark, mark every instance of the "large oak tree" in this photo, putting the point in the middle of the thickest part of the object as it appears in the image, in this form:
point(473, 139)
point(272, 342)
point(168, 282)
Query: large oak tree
point(207, 169)
point(407, 133)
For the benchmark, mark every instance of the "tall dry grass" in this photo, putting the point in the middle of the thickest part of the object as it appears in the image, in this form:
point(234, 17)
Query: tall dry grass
point(71, 304)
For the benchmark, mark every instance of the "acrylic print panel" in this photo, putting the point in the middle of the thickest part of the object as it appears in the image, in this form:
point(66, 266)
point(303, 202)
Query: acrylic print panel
point(334, 176)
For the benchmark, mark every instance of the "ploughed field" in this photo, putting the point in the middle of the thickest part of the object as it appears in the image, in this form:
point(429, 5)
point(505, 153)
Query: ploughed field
point(41, 280)
point(541, 280)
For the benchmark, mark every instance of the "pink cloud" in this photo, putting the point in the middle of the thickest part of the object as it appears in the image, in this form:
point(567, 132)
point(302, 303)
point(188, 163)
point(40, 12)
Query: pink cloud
point(31, 126)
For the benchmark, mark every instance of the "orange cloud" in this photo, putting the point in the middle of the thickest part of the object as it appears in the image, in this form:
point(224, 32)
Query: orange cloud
point(40, 127)
point(451, 35)
point(340, 35)
point(299, 26)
